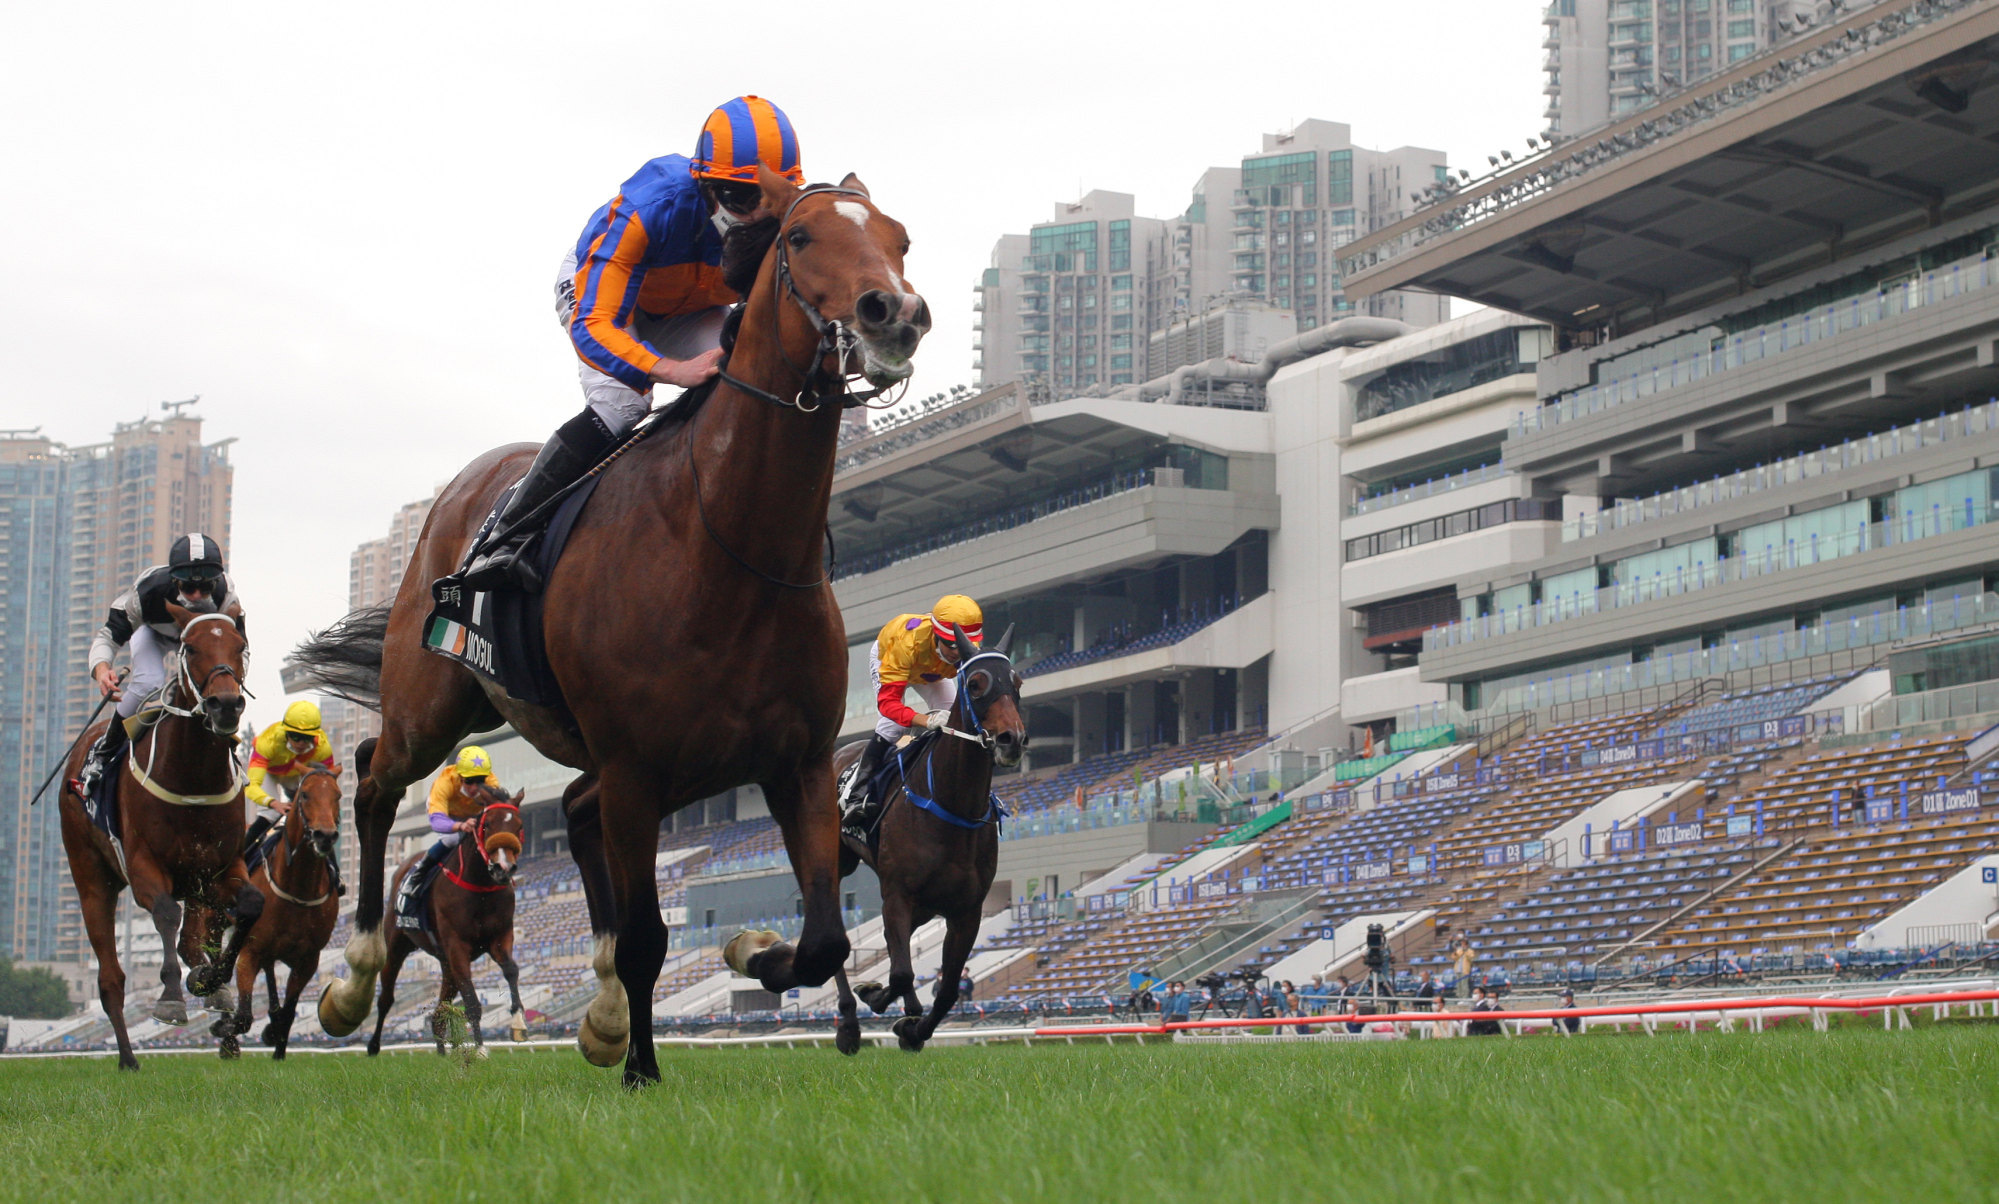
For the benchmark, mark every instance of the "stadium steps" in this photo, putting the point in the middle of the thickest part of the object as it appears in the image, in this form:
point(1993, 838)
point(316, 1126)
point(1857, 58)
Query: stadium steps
point(1778, 852)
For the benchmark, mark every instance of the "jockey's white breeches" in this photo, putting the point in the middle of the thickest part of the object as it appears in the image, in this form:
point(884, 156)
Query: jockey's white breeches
point(617, 404)
point(936, 696)
point(149, 670)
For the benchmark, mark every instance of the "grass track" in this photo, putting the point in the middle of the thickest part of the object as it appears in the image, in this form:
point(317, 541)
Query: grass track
point(1853, 1115)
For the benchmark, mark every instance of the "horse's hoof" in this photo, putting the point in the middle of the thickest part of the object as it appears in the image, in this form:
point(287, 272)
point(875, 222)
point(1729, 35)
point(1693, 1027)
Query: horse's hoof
point(517, 1032)
point(634, 1081)
point(745, 946)
point(221, 999)
point(278, 1054)
point(127, 1062)
point(171, 1011)
point(598, 1049)
point(847, 1039)
point(224, 1026)
point(342, 1008)
point(230, 1049)
point(270, 1034)
point(479, 1052)
point(874, 995)
point(905, 1031)
point(203, 981)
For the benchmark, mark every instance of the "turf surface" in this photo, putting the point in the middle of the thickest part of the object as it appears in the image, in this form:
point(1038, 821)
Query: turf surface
point(1852, 1115)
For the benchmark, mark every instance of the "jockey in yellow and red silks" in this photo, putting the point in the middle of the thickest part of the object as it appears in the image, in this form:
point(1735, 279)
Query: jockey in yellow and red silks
point(913, 652)
point(642, 296)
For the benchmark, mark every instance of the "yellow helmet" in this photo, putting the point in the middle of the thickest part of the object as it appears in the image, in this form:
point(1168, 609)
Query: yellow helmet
point(302, 719)
point(474, 763)
point(955, 614)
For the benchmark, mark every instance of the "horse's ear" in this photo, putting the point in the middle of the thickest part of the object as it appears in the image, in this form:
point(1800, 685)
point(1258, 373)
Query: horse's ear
point(520, 796)
point(1005, 640)
point(966, 649)
point(181, 615)
point(778, 191)
point(854, 182)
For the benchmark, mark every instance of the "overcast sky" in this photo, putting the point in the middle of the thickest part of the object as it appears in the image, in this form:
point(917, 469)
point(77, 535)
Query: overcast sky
point(339, 224)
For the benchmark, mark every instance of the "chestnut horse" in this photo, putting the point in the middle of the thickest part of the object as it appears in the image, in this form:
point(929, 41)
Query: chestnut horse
point(180, 808)
point(300, 908)
point(471, 911)
point(938, 843)
point(691, 623)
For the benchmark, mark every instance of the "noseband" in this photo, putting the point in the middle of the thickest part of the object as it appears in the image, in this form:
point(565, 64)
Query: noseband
point(978, 734)
point(184, 676)
point(284, 839)
point(835, 339)
point(479, 840)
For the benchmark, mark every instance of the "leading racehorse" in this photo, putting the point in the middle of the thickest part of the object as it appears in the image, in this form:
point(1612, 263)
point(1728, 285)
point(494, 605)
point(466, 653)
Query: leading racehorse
point(300, 908)
point(180, 815)
point(938, 842)
point(691, 623)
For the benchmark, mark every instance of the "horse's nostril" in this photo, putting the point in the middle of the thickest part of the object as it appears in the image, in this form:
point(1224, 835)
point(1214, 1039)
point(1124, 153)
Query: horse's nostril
point(875, 308)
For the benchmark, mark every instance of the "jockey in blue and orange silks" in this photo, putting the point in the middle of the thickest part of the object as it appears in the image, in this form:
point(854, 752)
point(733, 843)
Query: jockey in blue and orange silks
point(642, 296)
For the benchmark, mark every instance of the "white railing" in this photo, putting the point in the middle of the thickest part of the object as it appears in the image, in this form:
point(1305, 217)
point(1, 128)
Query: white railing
point(1830, 322)
point(1867, 449)
point(1436, 488)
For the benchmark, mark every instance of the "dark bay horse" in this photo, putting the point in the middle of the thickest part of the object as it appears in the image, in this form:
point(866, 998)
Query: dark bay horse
point(939, 843)
point(180, 808)
point(300, 909)
point(472, 911)
point(691, 622)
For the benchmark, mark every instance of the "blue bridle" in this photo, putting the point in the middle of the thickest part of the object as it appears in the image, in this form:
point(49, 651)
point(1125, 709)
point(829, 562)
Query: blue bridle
point(995, 810)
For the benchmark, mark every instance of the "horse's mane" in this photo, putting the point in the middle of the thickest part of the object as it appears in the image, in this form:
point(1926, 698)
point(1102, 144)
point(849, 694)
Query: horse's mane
point(743, 250)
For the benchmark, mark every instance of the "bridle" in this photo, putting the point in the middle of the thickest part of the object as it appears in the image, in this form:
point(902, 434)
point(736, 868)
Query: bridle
point(835, 338)
point(478, 835)
point(995, 811)
point(977, 734)
point(291, 851)
point(184, 678)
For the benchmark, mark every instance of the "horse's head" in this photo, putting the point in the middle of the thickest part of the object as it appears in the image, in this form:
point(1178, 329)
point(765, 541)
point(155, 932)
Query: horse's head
point(989, 689)
point(499, 830)
point(841, 258)
point(316, 806)
point(214, 660)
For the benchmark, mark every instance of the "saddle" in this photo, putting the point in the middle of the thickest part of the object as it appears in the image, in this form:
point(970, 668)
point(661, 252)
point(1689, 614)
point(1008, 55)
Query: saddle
point(261, 851)
point(498, 635)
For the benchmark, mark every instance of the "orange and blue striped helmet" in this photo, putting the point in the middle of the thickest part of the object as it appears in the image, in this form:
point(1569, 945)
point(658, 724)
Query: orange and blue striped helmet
point(742, 133)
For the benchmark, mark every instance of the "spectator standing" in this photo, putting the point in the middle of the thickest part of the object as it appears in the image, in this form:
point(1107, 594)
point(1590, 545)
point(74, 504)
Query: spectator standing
point(1177, 1006)
point(1427, 990)
point(1461, 962)
point(1316, 994)
point(1350, 997)
point(965, 987)
point(1568, 1024)
point(1296, 1002)
point(1482, 1002)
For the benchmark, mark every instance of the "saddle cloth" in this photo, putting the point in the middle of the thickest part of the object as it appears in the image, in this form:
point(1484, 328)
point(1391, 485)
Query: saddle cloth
point(413, 906)
point(498, 635)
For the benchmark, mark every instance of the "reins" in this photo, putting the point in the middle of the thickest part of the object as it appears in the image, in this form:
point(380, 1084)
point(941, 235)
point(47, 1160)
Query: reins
point(995, 812)
point(478, 835)
point(291, 850)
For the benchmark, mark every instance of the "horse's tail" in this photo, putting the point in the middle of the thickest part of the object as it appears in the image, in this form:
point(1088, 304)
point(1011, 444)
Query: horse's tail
point(345, 660)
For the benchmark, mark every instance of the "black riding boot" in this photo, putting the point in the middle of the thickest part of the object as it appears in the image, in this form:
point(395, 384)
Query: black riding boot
point(252, 838)
point(574, 449)
point(418, 872)
point(855, 813)
point(101, 753)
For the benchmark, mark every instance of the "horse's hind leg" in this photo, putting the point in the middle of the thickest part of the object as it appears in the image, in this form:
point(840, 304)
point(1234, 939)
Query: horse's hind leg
point(961, 931)
point(847, 1037)
point(271, 986)
point(400, 948)
point(807, 814)
point(631, 833)
point(605, 1032)
point(428, 705)
point(234, 1026)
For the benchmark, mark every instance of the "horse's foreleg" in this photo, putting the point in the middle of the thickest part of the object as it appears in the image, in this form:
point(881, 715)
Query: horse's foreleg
point(631, 833)
point(399, 949)
point(807, 814)
point(232, 1027)
point(278, 1033)
point(606, 1029)
point(502, 953)
point(271, 986)
point(171, 1007)
point(344, 1002)
point(468, 991)
point(960, 933)
point(244, 904)
point(847, 1037)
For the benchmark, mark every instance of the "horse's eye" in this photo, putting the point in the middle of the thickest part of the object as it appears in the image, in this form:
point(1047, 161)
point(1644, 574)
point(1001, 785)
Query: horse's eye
point(798, 238)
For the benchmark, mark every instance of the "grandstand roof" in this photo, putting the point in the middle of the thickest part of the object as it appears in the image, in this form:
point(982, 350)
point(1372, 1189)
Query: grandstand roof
point(1885, 123)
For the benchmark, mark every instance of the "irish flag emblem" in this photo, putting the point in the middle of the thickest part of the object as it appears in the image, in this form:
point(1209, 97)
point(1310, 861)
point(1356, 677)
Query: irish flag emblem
point(446, 637)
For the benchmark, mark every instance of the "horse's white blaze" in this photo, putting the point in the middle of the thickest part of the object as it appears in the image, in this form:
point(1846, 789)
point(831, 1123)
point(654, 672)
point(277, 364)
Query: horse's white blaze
point(853, 211)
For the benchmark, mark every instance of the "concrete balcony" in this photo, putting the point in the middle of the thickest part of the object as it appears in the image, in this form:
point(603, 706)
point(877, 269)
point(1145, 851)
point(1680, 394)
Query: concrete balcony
point(1120, 531)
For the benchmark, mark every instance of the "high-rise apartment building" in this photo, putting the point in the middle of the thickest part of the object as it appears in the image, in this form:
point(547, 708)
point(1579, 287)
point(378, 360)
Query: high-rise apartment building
point(77, 527)
point(1609, 58)
point(1073, 304)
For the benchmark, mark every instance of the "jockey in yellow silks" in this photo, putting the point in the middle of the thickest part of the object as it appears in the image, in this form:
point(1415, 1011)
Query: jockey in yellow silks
point(913, 652)
point(453, 813)
point(280, 757)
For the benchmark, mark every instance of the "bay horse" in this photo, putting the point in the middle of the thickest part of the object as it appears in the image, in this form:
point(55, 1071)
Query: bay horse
point(936, 852)
point(472, 912)
point(690, 624)
point(300, 908)
point(180, 817)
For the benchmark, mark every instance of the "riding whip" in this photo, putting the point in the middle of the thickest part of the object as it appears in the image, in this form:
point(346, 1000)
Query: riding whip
point(73, 743)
